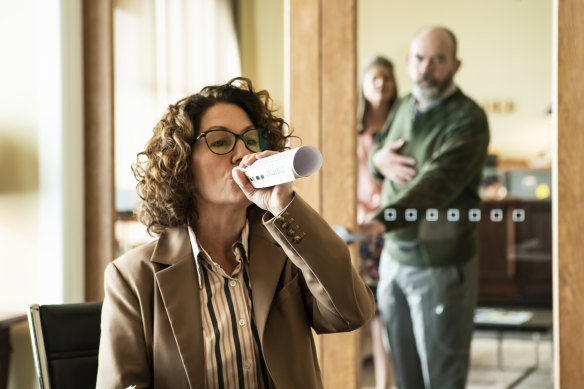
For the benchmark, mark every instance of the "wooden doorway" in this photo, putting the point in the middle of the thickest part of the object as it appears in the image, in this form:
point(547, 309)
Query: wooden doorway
point(568, 214)
point(321, 44)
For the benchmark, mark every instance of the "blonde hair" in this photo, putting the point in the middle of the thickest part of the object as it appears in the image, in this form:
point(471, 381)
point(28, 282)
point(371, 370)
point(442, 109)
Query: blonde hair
point(362, 104)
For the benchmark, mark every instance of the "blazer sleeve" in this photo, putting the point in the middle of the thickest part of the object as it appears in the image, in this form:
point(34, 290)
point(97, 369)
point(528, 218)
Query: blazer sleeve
point(337, 298)
point(123, 356)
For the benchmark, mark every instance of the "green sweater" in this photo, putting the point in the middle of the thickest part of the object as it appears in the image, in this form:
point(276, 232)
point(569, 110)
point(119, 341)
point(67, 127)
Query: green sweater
point(449, 143)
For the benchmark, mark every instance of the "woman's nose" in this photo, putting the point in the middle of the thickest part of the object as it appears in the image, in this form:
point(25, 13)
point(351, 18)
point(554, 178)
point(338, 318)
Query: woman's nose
point(239, 151)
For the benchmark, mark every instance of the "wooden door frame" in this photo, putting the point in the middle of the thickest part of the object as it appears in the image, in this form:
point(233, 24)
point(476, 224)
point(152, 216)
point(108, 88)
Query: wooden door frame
point(568, 194)
point(321, 100)
point(99, 151)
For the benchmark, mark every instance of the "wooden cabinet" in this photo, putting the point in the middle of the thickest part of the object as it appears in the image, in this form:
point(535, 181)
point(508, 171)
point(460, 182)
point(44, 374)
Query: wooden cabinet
point(515, 253)
point(7, 320)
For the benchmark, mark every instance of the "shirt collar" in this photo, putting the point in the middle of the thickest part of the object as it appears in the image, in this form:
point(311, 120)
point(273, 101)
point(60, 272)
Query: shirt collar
point(243, 241)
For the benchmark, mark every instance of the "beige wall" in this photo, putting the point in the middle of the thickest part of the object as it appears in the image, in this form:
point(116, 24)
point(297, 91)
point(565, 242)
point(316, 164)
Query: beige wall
point(261, 42)
point(505, 47)
point(506, 52)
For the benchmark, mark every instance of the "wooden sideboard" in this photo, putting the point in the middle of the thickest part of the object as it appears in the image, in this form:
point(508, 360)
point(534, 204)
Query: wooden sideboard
point(515, 253)
point(7, 320)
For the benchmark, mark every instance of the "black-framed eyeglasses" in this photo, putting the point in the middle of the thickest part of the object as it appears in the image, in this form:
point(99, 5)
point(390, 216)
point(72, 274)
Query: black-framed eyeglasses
point(222, 141)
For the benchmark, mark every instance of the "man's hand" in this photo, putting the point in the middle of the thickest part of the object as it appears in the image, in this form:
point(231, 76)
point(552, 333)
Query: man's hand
point(394, 166)
point(372, 229)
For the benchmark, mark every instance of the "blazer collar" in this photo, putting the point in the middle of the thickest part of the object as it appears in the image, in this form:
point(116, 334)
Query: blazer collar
point(172, 247)
point(178, 285)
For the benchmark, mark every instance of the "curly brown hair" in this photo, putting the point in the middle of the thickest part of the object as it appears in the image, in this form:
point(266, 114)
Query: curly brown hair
point(163, 169)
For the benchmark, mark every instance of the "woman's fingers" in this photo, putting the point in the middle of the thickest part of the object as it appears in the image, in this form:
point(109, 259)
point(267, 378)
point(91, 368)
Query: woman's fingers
point(241, 180)
point(249, 159)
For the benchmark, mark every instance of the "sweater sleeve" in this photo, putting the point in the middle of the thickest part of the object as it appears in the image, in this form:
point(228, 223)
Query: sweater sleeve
point(449, 170)
point(372, 168)
point(381, 141)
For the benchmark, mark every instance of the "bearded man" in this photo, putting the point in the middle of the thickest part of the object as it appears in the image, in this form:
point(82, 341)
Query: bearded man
point(430, 159)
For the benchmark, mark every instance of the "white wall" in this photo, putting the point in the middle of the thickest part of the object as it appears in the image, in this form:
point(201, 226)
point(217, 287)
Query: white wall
point(41, 181)
point(505, 47)
point(18, 152)
point(18, 176)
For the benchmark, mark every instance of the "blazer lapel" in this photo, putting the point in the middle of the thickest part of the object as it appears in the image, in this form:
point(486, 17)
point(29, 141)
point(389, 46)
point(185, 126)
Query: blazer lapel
point(179, 287)
point(266, 261)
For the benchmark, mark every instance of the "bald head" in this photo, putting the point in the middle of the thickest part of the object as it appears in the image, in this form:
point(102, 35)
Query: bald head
point(441, 35)
point(432, 62)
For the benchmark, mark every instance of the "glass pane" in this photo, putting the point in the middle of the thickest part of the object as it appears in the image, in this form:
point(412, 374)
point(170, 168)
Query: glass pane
point(506, 53)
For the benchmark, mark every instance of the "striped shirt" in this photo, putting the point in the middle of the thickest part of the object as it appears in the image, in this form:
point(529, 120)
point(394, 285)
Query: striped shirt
point(232, 355)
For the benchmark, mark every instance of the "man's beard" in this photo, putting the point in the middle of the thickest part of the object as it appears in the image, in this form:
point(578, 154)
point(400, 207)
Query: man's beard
point(432, 89)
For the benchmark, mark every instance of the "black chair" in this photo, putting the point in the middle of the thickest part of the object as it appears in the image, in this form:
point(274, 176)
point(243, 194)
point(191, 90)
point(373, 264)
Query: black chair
point(65, 342)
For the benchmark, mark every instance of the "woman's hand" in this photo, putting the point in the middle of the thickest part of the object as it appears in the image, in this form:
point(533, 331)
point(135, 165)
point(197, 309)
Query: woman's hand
point(273, 199)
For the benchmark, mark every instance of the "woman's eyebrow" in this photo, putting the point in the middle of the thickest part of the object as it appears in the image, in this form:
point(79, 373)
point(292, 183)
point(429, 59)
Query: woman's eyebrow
point(216, 128)
point(246, 128)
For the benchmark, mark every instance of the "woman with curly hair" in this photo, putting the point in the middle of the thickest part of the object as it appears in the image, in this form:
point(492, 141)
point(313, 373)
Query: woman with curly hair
point(228, 294)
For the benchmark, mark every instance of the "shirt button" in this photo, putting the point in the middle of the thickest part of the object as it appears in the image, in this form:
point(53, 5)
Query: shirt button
point(233, 283)
point(246, 365)
point(241, 322)
point(285, 225)
point(291, 232)
point(297, 239)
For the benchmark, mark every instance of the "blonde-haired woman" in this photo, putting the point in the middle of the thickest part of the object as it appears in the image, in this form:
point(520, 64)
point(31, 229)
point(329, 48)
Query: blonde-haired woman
point(377, 96)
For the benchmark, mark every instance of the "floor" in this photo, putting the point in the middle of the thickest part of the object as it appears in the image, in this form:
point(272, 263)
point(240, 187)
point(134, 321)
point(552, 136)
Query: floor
point(518, 353)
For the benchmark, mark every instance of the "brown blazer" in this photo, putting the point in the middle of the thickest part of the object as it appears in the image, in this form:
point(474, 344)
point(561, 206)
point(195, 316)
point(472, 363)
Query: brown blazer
point(301, 276)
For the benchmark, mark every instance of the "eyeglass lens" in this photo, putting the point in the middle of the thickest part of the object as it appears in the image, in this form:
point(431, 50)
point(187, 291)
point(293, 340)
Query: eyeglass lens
point(223, 141)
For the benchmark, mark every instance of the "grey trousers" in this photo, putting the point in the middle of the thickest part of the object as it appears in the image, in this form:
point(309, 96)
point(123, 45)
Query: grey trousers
point(428, 315)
